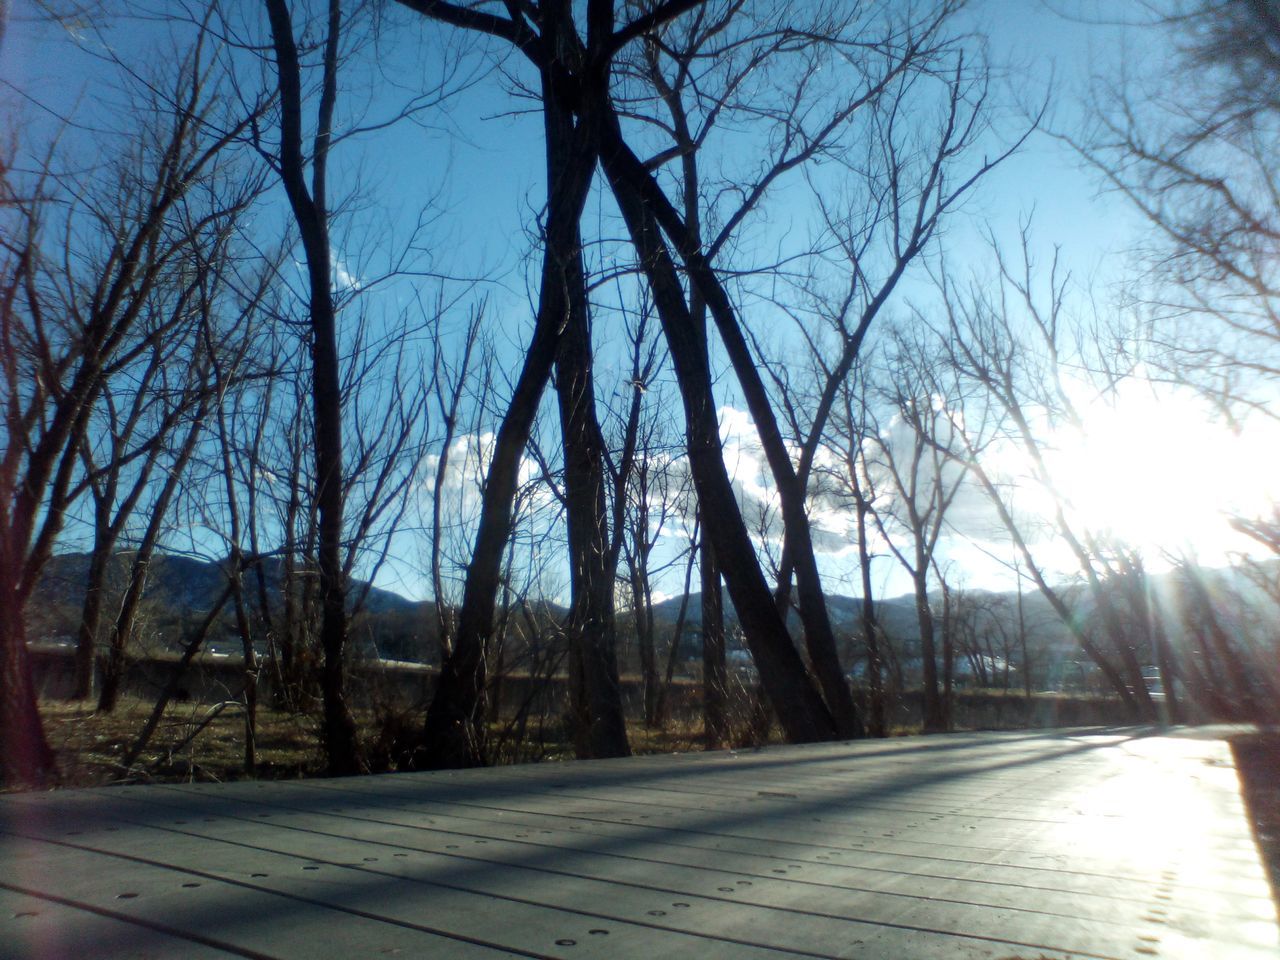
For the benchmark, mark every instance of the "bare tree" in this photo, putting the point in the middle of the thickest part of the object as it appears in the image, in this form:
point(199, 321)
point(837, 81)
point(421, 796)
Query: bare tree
point(899, 180)
point(810, 115)
point(450, 380)
point(117, 477)
point(918, 457)
point(547, 37)
point(142, 214)
point(1199, 165)
point(641, 473)
point(1016, 342)
point(850, 438)
point(309, 202)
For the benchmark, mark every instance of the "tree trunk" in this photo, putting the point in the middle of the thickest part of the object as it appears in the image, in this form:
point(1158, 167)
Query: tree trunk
point(645, 641)
point(876, 723)
point(290, 693)
point(715, 674)
point(91, 613)
point(453, 737)
point(1168, 665)
point(677, 631)
point(117, 643)
point(800, 708)
point(591, 626)
point(250, 660)
point(310, 211)
point(25, 756)
point(341, 745)
point(1022, 640)
point(934, 721)
point(452, 734)
point(948, 652)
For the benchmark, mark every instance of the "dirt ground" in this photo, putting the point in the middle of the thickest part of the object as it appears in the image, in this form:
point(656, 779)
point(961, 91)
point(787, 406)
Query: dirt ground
point(1257, 757)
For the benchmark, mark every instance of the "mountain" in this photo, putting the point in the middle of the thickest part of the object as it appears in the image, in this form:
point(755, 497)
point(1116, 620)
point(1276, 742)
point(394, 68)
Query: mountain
point(897, 614)
point(180, 583)
point(181, 590)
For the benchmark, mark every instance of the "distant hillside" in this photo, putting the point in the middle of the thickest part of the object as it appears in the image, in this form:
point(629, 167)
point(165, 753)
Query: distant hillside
point(181, 590)
point(184, 584)
point(897, 615)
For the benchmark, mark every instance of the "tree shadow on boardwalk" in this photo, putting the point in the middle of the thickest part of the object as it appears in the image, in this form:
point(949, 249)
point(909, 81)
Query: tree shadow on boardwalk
point(1257, 757)
point(514, 828)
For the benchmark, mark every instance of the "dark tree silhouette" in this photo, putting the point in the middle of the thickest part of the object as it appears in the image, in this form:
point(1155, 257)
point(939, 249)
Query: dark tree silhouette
point(145, 214)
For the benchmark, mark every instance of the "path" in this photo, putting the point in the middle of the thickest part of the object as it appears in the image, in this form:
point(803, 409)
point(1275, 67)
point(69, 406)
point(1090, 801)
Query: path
point(1005, 846)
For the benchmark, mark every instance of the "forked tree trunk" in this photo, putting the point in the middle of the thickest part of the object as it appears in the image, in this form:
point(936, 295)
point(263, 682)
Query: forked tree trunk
point(592, 625)
point(800, 709)
point(453, 734)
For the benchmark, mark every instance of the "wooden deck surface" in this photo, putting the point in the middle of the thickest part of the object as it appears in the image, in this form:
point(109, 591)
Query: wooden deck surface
point(1087, 843)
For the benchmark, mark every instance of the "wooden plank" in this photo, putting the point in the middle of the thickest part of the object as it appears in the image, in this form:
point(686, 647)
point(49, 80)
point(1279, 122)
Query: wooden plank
point(471, 897)
point(443, 827)
point(563, 878)
point(1115, 845)
point(241, 917)
point(54, 929)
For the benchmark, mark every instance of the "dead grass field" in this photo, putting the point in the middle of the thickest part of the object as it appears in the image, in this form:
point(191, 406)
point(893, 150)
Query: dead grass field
point(205, 742)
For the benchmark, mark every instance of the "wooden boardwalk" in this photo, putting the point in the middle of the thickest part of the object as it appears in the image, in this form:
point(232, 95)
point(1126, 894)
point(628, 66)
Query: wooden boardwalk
point(1009, 846)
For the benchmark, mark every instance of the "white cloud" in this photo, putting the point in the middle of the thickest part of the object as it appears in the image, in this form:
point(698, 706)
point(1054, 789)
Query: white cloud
point(343, 279)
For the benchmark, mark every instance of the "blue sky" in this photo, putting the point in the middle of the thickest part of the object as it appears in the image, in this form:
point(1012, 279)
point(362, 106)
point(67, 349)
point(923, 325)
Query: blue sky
point(476, 164)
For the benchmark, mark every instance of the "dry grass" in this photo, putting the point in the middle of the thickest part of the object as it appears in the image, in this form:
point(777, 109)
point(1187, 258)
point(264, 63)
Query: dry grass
point(205, 742)
point(193, 742)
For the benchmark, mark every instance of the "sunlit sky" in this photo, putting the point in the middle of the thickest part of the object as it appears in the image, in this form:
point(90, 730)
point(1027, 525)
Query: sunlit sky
point(1152, 465)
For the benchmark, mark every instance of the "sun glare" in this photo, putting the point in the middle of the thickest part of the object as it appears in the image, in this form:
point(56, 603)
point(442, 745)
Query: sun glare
point(1152, 467)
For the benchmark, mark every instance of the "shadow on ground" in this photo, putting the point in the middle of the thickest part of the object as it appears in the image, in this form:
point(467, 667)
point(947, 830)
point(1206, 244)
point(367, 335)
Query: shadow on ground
point(1257, 757)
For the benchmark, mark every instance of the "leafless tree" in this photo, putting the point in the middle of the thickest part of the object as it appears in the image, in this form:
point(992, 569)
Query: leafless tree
point(641, 475)
point(919, 458)
point(304, 171)
point(143, 410)
point(1016, 341)
point(1199, 165)
point(846, 478)
point(547, 37)
point(451, 379)
point(992, 635)
point(126, 230)
point(898, 176)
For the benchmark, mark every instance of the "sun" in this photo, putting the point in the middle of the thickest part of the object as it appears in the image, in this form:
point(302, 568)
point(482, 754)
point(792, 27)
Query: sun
point(1153, 467)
